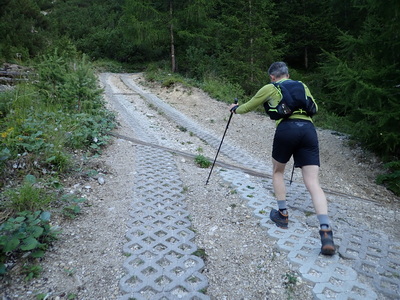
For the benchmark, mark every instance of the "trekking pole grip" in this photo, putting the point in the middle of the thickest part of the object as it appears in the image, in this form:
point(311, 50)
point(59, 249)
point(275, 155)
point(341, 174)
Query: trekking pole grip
point(233, 109)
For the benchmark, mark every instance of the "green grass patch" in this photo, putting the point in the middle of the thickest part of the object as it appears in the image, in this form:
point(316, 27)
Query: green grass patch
point(29, 196)
point(202, 161)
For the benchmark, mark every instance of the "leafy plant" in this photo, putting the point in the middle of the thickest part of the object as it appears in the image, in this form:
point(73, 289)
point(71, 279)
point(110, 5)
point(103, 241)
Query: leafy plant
point(4, 154)
point(29, 232)
point(200, 253)
point(88, 130)
point(31, 271)
point(290, 281)
point(41, 296)
point(202, 161)
point(72, 209)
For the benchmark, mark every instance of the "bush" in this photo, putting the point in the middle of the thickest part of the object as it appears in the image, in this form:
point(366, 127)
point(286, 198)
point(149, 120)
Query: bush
point(87, 130)
point(68, 83)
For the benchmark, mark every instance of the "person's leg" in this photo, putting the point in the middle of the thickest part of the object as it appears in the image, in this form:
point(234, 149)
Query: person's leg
point(311, 180)
point(280, 217)
point(285, 141)
point(278, 182)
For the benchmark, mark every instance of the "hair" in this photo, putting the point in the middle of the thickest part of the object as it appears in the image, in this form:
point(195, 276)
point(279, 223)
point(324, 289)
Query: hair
point(278, 69)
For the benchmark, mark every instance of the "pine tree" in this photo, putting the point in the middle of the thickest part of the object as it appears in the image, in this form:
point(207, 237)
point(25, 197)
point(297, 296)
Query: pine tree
point(364, 77)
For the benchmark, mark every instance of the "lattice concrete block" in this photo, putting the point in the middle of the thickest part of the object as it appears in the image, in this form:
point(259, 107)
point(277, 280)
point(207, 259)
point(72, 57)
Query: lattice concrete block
point(333, 289)
point(320, 274)
point(161, 264)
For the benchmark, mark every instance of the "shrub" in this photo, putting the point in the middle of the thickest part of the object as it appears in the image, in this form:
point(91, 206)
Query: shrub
point(87, 130)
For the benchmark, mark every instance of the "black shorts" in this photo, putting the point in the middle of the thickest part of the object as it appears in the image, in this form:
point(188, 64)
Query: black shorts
point(298, 138)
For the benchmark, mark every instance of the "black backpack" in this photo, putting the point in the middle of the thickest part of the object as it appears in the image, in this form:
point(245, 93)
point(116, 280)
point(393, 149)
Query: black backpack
point(294, 101)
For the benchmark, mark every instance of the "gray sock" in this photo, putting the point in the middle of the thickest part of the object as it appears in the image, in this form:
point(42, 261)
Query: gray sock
point(281, 204)
point(323, 221)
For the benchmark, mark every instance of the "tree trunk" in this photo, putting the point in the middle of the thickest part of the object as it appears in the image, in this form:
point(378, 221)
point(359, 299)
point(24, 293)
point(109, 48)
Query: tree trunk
point(173, 64)
point(251, 42)
point(306, 57)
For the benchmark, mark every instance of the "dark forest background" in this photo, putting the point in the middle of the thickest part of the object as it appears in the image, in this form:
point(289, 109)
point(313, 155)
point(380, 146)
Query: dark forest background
point(347, 51)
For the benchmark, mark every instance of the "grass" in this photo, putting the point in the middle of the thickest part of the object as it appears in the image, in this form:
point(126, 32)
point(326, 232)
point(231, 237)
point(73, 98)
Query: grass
point(221, 89)
point(290, 280)
point(202, 161)
point(27, 197)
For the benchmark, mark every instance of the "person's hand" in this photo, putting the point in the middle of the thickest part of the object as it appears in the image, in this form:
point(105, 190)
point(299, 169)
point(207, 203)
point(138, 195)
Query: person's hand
point(233, 107)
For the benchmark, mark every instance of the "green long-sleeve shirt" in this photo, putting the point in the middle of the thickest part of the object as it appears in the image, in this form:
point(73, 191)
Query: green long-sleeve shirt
point(268, 93)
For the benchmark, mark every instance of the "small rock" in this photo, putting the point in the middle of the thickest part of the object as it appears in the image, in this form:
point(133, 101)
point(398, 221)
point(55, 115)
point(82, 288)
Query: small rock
point(101, 180)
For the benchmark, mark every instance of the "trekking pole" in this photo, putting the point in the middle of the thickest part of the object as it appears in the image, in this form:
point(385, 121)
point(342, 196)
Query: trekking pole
point(226, 128)
point(291, 178)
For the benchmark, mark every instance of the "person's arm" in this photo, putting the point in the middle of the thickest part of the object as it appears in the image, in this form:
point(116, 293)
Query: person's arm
point(259, 98)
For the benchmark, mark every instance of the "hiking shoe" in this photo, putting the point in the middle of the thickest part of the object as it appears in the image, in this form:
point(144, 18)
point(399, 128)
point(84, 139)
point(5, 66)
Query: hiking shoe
point(280, 219)
point(328, 247)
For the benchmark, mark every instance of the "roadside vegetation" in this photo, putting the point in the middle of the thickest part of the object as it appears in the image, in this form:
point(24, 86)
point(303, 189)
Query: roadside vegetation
point(46, 123)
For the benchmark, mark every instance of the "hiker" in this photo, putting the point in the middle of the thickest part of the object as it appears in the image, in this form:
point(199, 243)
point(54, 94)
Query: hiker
point(294, 135)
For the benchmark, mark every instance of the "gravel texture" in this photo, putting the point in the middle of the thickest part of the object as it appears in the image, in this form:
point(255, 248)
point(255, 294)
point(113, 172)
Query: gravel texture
point(241, 261)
